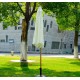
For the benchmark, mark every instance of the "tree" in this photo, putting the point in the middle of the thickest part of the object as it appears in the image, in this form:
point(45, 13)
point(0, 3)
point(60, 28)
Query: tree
point(67, 15)
point(10, 14)
point(25, 25)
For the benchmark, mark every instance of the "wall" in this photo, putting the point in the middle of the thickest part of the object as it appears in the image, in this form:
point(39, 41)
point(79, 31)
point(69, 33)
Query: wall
point(51, 35)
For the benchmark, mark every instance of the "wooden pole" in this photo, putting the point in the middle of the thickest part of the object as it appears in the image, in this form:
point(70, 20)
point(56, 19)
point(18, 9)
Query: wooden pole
point(40, 62)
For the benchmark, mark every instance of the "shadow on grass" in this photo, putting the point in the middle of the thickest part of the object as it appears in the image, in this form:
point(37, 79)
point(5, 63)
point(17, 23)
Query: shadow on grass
point(27, 72)
point(76, 63)
point(23, 70)
point(53, 73)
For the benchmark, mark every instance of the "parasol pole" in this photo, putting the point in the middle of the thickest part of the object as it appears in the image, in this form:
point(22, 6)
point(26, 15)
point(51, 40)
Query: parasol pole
point(40, 62)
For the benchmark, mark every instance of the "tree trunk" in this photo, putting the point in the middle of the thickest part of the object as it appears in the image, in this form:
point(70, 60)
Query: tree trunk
point(76, 13)
point(24, 41)
point(25, 33)
point(25, 22)
point(76, 44)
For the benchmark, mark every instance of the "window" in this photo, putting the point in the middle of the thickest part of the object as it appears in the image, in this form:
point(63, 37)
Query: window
point(70, 45)
point(19, 28)
point(61, 43)
point(37, 50)
point(59, 31)
point(45, 43)
point(32, 28)
point(51, 24)
point(47, 28)
point(33, 48)
point(64, 46)
point(29, 48)
point(79, 35)
point(45, 23)
point(15, 27)
point(6, 38)
point(61, 46)
point(19, 23)
point(55, 45)
point(11, 40)
point(2, 40)
point(31, 22)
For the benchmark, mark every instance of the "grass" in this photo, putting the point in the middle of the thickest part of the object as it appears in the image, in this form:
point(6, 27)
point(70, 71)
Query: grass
point(51, 67)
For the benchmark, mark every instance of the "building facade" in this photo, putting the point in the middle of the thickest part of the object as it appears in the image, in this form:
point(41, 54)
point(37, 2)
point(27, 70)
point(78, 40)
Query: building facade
point(54, 40)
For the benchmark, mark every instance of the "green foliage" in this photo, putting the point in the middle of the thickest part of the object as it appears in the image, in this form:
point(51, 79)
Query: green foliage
point(67, 13)
point(9, 13)
point(34, 15)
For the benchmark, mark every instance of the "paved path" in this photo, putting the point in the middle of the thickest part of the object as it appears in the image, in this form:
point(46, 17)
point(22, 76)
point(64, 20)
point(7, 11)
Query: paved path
point(44, 55)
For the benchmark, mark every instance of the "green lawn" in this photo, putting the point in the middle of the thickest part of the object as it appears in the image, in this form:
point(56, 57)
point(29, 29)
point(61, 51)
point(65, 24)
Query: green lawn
point(52, 67)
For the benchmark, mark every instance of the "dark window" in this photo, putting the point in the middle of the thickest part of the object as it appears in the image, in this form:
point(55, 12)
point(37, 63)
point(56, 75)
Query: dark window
point(61, 46)
point(64, 46)
point(29, 48)
point(15, 27)
point(37, 50)
point(45, 43)
point(32, 28)
point(19, 28)
point(70, 45)
point(33, 48)
point(45, 23)
point(79, 34)
point(61, 43)
point(31, 22)
point(2, 40)
point(59, 31)
point(6, 38)
point(55, 45)
point(19, 23)
point(47, 28)
point(51, 24)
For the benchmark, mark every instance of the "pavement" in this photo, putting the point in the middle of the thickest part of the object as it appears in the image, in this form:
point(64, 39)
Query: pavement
point(43, 55)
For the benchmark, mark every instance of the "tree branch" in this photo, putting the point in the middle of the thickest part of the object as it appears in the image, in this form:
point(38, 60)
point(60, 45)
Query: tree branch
point(27, 11)
point(33, 11)
point(20, 8)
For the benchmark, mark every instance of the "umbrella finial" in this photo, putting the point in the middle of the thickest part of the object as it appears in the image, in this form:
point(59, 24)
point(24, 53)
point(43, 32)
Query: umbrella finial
point(40, 8)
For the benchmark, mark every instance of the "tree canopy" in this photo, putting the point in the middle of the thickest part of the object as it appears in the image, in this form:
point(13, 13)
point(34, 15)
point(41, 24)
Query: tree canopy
point(68, 18)
point(66, 13)
point(10, 12)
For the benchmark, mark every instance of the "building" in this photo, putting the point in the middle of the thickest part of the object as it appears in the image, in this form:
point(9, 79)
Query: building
point(54, 40)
